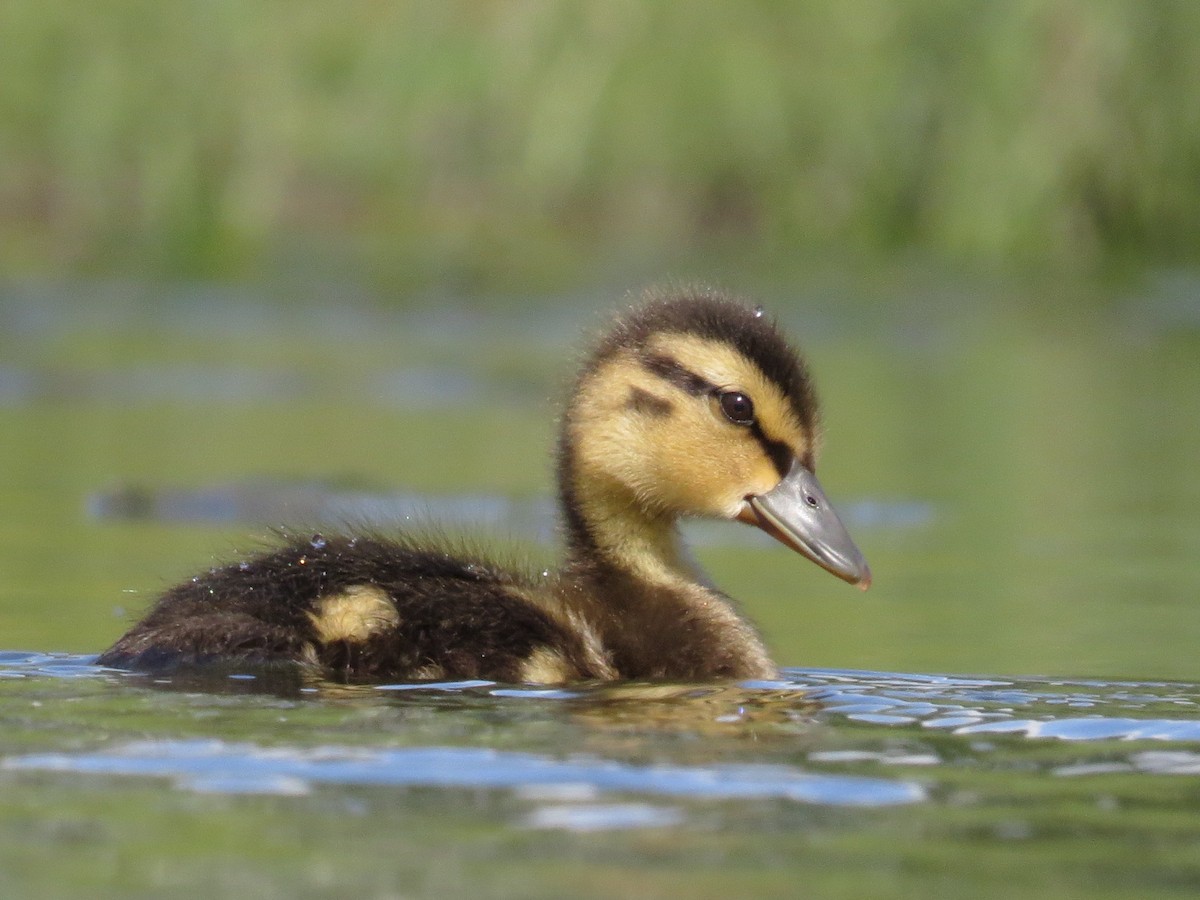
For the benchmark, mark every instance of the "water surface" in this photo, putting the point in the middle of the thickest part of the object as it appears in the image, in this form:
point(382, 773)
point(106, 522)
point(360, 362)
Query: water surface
point(843, 780)
point(1017, 461)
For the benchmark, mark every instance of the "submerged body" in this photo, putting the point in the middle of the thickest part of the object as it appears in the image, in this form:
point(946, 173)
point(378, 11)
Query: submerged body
point(691, 405)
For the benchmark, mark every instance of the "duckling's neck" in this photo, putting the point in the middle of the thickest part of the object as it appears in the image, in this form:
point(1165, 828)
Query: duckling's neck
point(626, 575)
point(606, 529)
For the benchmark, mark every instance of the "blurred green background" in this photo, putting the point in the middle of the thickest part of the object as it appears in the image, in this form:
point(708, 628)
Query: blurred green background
point(356, 242)
point(477, 145)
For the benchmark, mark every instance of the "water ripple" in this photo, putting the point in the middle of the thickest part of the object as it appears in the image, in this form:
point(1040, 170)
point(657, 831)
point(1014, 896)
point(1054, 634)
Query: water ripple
point(972, 706)
point(214, 765)
point(1036, 708)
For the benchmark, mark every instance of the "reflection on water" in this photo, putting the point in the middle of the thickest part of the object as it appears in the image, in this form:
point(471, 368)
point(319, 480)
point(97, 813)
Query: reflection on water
point(934, 776)
point(236, 768)
point(409, 388)
point(573, 789)
point(266, 502)
point(1034, 708)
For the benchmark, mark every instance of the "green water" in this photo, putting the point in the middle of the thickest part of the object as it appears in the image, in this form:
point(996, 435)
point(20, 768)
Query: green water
point(1017, 461)
point(831, 783)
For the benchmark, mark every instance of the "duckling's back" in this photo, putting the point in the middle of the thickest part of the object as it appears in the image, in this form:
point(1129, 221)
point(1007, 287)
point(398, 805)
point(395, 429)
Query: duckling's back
point(362, 607)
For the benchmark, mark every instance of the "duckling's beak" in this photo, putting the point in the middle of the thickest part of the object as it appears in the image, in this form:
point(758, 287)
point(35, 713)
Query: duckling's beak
point(796, 513)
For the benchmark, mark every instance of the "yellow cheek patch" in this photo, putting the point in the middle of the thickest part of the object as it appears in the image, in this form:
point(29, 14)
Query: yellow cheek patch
point(354, 615)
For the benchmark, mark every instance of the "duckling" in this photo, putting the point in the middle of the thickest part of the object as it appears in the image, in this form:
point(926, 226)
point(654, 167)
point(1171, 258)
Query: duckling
point(692, 404)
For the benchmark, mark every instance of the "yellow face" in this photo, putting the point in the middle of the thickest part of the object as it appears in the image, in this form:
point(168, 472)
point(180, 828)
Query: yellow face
point(685, 426)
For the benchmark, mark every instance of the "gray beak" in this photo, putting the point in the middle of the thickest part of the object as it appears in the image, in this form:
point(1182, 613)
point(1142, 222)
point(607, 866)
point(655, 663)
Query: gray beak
point(796, 513)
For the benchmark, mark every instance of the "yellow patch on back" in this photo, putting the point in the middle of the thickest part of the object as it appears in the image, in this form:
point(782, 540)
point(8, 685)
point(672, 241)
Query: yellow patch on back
point(545, 665)
point(428, 672)
point(354, 615)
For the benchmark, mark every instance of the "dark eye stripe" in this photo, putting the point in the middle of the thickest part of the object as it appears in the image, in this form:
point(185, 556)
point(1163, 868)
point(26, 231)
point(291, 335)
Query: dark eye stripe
point(778, 452)
point(646, 403)
point(684, 379)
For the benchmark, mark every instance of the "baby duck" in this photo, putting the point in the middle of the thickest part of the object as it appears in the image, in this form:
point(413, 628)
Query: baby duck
point(692, 404)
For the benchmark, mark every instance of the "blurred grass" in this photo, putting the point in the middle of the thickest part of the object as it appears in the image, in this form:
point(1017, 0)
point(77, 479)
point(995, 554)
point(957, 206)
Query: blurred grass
point(493, 145)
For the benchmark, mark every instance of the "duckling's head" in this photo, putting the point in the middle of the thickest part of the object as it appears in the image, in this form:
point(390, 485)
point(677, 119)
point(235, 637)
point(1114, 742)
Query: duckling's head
point(694, 404)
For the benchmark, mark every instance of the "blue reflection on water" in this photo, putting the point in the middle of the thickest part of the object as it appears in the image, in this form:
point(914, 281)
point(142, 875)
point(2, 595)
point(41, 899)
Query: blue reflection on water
point(208, 765)
point(270, 501)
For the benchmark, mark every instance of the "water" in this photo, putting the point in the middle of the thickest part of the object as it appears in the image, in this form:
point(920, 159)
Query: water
point(1017, 463)
point(834, 778)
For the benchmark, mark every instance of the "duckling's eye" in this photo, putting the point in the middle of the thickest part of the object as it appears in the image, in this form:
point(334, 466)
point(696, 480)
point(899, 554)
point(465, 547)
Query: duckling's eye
point(738, 408)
